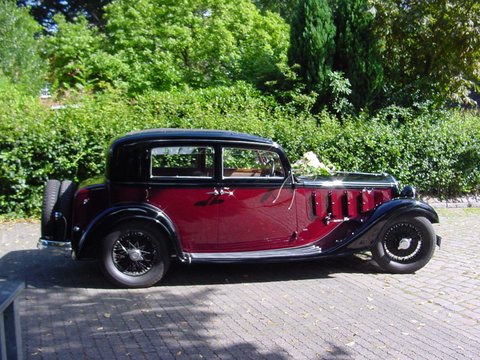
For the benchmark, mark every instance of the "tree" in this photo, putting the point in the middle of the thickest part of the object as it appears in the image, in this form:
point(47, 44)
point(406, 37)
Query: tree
point(20, 59)
point(312, 43)
point(432, 48)
point(357, 51)
point(71, 51)
point(44, 11)
point(286, 8)
point(160, 44)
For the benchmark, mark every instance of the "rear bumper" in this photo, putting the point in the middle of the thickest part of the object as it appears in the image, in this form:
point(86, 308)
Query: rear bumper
point(65, 246)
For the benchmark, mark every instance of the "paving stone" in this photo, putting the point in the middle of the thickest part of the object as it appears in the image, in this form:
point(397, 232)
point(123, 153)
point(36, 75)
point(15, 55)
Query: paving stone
point(331, 309)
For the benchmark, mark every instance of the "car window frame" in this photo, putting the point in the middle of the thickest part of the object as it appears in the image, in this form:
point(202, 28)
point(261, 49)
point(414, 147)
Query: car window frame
point(180, 178)
point(249, 179)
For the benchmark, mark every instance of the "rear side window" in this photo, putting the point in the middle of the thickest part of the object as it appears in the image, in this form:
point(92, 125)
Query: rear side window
point(182, 161)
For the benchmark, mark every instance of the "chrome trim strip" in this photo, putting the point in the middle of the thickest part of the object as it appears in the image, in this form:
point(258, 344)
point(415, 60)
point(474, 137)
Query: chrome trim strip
point(310, 250)
point(349, 184)
point(54, 245)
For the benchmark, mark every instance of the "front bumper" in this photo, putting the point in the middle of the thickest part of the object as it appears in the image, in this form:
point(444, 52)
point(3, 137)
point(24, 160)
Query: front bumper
point(439, 241)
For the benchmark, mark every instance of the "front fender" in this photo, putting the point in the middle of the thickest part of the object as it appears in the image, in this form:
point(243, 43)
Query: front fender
point(400, 206)
point(107, 220)
point(367, 233)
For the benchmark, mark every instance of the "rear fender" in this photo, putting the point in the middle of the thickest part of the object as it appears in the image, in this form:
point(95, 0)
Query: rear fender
point(367, 235)
point(106, 221)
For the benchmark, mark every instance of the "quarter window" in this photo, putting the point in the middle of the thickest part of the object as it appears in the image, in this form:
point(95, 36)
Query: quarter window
point(248, 163)
point(182, 161)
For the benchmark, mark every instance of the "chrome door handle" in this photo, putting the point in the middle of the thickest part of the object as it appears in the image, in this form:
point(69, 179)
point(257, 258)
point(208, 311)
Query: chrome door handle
point(226, 191)
point(214, 192)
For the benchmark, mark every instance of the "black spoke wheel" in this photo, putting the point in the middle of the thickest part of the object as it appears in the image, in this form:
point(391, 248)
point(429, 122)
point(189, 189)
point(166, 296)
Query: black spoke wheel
point(135, 255)
point(405, 244)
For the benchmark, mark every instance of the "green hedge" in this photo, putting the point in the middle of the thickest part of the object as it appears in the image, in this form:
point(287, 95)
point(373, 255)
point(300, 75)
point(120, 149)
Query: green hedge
point(438, 153)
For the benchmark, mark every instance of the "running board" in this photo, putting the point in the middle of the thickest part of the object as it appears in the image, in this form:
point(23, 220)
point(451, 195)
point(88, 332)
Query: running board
point(245, 256)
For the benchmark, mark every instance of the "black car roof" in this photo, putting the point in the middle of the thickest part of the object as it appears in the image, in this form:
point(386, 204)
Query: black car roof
point(126, 157)
point(204, 134)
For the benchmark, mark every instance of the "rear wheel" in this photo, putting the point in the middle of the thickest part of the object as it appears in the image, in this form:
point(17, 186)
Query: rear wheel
point(405, 245)
point(135, 255)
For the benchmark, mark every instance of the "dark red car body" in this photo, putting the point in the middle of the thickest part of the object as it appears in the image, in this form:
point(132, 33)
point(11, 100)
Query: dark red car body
point(218, 196)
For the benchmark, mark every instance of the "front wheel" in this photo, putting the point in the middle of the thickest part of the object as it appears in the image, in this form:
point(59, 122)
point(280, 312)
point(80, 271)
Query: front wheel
point(135, 255)
point(405, 245)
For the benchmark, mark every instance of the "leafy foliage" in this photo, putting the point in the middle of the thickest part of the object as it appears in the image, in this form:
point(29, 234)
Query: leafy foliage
point(201, 63)
point(312, 43)
point(71, 52)
point(437, 152)
point(44, 11)
point(432, 49)
point(286, 8)
point(335, 38)
point(340, 90)
point(158, 44)
point(357, 52)
point(20, 60)
point(408, 51)
point(433, 151)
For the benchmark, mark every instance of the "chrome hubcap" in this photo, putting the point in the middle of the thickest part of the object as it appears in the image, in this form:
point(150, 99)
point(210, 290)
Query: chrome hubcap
point(134, 253)
point(403, 242)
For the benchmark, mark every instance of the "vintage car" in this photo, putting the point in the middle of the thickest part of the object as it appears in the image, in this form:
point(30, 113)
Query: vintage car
point(219, 196)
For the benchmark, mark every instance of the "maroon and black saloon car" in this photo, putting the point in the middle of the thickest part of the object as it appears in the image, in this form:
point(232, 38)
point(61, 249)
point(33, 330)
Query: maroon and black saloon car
point(218, 196)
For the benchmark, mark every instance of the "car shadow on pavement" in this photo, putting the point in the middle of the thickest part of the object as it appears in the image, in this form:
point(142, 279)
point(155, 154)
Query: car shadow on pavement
point(208, 274)
point(44, 269)
point(160, 321)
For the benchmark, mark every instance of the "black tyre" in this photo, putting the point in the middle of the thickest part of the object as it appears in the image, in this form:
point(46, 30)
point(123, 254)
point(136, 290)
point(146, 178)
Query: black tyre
point(135, 255)
point(50, 197)
point(405, 245)
point(64, 206)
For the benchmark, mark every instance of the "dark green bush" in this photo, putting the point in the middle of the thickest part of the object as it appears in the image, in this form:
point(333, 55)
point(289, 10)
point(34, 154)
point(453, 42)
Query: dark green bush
point(439, 153)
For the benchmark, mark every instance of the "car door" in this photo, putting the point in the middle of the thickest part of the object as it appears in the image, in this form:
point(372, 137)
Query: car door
point(256, 201)
point(181, 185)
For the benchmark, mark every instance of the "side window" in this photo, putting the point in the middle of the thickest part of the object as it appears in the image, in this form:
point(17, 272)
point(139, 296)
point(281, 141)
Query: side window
point(182, 161)
point(247, 163)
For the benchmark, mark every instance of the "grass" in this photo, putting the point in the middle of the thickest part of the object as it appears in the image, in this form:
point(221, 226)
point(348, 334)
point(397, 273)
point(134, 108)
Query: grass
point(9, 219)
point(457, 212)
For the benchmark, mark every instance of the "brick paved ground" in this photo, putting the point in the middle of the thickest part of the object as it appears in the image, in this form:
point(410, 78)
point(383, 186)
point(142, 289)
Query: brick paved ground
point(335, 309)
